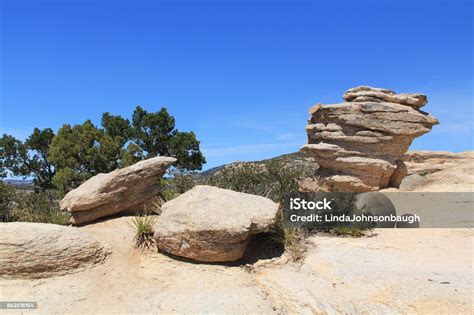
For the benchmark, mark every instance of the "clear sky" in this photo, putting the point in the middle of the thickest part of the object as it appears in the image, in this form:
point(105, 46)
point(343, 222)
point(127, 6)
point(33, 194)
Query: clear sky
point(241, 74)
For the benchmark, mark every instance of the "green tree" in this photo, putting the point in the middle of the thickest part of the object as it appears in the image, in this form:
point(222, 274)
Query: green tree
point(82, 151)
point(30, 158)
point(76, 153)
point(117, 127)
point(40, 165)
point(13, 156)
point(152, 132)
point(155, 134)
point(7, 198)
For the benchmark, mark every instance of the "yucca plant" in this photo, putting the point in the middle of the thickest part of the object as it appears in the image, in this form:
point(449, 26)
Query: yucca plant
point(143, 228)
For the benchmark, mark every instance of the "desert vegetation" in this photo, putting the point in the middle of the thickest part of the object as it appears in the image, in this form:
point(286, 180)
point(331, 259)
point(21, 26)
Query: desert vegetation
point(64, 160)
point(274, 178)
point(142, 226)
point(59, 162)
point(30, 206)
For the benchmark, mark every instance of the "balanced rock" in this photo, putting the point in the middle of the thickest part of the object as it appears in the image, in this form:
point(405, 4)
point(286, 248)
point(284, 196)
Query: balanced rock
point(211, 224)
point(38, 250)
point(359, 145)
point(128, 189)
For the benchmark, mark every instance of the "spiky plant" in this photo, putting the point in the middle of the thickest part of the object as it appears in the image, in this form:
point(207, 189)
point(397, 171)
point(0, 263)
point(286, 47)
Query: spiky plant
point(143, 228)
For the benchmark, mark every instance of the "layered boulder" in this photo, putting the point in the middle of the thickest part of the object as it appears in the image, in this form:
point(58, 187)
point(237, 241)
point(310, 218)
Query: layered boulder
point(359, 144)
point(211, 224)
point(128, 189)
point(38, 250)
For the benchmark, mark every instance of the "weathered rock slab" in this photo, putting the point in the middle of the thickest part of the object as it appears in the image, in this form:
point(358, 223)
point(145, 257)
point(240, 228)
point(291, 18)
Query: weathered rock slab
point(368, 93)
point(360, 143)
point(127, 189)
point(39, 250)
point(212, 224)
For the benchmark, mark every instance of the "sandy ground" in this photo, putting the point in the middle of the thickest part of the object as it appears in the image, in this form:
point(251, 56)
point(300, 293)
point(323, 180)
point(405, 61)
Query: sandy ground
point(419, 271)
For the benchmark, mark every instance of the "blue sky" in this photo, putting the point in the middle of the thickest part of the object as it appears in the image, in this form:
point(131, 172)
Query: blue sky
point(241, 74)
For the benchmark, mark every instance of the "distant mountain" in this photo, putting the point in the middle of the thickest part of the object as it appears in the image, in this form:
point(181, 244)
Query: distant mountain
point(24, 184)
point(295, 156)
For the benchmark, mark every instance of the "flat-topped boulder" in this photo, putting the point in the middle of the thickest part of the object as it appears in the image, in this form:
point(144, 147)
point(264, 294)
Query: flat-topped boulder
point(359, 144)
point(128, 189)
point(212, 224)
point(371, 94)
point(38, 250)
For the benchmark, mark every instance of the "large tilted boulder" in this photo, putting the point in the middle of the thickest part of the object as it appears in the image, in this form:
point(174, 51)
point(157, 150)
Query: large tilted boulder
point(211, 224)
point(38, 250)
point(128, 189)
point(360, 144)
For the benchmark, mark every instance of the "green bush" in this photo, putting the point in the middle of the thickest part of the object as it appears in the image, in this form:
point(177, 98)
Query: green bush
point(181, 181)
point(250, 178)
point(272, 179)
point(39, 206)
point(7, 200)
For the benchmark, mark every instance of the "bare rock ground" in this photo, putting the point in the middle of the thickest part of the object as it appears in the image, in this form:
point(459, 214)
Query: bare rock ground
point(409, 271)
point(439, 171)
point(133, 282)
point(421, 271)
point(395, 272)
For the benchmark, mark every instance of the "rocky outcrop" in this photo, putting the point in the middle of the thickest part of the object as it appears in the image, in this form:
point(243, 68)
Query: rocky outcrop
point(128, 189)
point(38, 250)
point(370, 94)
point(359, 144)
point(211, 224)
point(439, 171)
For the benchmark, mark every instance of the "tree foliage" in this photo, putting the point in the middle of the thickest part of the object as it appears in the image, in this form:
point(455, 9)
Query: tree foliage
point(63, 161)
point(29, 158)
point(155, 134)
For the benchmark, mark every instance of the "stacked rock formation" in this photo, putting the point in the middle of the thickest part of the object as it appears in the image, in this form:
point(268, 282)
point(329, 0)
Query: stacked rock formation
point(132, 188)
point(38, 250)
point(359, 144)
point(212, 224)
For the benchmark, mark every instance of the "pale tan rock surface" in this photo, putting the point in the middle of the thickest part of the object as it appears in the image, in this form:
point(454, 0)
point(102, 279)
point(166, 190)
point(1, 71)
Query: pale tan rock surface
point(134, 282)
point(212, 224)
point(409, 271)
point(126, 189)
point(38, 250)
point(437, 171)
point(367, 93)
point(359, 144)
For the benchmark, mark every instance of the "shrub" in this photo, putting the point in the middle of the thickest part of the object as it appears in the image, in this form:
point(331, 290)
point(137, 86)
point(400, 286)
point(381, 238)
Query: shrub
point(250, 178)
point(39, 206)
point(143, 228)
point(7, 198)
point(289, 238)
point(272, 178)
point(181, 181)
point(351, 231)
